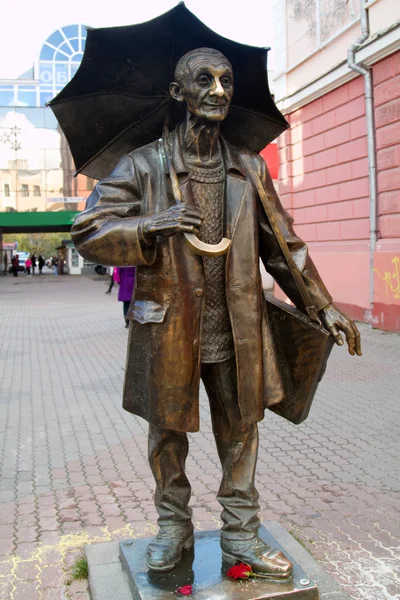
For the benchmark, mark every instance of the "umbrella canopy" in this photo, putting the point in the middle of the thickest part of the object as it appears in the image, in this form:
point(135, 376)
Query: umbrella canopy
point(119, 98)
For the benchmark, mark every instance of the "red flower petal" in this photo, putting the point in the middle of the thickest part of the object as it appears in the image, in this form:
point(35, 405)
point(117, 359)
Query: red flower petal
point(242, 571)
point(185, 590)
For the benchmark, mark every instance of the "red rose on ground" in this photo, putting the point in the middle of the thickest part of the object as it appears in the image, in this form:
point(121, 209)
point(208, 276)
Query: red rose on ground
point(185, 590)
point(242, 571)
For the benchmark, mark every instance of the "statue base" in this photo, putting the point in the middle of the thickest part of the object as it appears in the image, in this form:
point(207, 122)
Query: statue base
point(203, 568)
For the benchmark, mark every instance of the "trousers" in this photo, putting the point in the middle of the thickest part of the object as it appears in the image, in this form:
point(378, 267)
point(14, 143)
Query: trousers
point(237, 446)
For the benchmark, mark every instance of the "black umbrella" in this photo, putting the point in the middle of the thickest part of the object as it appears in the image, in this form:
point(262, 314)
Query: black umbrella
point(118, 99)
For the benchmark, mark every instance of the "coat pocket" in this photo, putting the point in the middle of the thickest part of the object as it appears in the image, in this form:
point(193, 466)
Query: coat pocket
point(147, 311)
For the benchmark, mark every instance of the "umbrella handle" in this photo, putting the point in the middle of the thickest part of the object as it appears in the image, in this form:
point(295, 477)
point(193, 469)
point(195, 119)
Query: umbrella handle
point(199, 247)
point(196, 245)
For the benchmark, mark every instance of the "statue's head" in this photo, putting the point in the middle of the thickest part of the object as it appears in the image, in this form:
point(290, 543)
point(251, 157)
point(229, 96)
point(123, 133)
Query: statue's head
point(204, 80)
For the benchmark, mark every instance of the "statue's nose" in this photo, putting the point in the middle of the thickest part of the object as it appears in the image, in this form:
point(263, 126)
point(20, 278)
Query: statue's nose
point(217, 89)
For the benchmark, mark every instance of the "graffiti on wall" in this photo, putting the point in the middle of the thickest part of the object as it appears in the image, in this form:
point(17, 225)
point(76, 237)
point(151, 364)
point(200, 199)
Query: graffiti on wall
point(391, 278)
point(334, 16)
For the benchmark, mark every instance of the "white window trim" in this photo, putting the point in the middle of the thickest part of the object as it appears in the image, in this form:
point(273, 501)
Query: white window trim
point(370, 3)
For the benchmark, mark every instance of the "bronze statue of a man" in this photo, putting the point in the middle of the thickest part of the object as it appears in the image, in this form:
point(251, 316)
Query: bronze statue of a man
point(194, 317)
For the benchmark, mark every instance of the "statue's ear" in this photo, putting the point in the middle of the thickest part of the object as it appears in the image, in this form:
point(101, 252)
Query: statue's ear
point(176, 91)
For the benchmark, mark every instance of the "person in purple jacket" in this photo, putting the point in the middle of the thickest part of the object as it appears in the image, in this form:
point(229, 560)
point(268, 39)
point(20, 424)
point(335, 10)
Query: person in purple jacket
point(125, 276)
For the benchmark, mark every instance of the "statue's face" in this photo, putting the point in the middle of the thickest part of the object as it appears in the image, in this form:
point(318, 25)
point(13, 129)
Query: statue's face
point(207, 87)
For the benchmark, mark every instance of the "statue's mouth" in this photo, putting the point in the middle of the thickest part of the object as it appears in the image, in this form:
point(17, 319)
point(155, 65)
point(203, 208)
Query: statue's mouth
point(214, 105)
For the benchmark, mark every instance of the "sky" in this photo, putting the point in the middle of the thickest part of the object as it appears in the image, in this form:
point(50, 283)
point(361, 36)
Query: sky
point(26, 24)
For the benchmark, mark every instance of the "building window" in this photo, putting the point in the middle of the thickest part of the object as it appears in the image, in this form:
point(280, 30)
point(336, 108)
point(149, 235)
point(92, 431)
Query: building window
point(25, 97)
point(6, 96)
point(60, 58)
point(36, 190)
point(7, 190)
point(24, 190)
point(74, 258)
point(89, 183)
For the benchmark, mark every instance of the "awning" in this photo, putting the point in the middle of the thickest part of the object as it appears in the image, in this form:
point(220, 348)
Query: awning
point(36, 222)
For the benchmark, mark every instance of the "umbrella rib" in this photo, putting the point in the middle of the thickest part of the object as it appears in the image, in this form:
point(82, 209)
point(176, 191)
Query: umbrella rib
point(148, 79)
point(135, 124)
point(165, 96)
point(120, 134)
point(174, 41)
point(255, 112)
point(143, 130)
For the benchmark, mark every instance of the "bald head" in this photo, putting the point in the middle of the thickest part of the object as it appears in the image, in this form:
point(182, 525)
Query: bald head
point(204, 80)
point(195, 58)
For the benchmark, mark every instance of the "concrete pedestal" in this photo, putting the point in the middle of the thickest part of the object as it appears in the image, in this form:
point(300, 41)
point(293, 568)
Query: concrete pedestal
point(203, 568)
point(118, 572)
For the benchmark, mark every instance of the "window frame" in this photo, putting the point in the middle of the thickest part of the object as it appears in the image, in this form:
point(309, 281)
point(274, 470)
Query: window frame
point(24, 190)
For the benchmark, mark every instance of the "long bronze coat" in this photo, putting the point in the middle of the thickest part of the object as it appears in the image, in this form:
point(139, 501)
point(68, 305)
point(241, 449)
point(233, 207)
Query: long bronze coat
point(163, 363)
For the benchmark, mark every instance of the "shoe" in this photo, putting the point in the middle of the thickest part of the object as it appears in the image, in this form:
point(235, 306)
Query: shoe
point(266, 562)
point(166, 551)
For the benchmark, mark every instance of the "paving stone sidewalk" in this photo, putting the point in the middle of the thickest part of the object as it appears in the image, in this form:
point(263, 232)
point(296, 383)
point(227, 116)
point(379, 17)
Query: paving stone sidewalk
point(73, 467)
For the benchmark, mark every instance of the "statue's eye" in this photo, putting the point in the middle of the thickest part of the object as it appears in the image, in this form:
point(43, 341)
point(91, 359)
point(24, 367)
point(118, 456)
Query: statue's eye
point(203, 80)
point(226, 81)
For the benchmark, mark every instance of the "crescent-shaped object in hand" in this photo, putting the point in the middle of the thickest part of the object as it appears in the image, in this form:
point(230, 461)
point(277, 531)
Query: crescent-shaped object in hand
point(196, 245)
point(199, 247)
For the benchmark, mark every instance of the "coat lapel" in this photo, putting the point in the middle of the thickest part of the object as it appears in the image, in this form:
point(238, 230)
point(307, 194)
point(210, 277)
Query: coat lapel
point(186, 189)
point(235, 192)
point(236, 185)
point(180, 168)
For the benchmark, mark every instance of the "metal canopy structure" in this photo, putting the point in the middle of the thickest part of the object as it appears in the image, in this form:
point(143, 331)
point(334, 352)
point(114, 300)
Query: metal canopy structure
point(37, 222)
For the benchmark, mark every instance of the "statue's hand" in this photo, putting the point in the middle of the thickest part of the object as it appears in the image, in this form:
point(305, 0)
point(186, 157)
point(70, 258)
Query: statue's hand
point(334, 320)
point(178, 218)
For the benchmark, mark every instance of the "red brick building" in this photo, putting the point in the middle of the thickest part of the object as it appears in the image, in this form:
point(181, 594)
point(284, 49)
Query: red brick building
point(324, 172)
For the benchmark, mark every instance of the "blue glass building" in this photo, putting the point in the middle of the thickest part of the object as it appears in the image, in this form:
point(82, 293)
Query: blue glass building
point(57, 63)
point(36, 167)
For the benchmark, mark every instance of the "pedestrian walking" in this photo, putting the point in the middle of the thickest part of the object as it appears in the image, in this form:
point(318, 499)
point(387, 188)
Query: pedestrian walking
point(5, 260)
point(54, 264)
point(112, 281)
point(125, 276)
point(15, 265)
point(33, 259)
point(28, 265)
point(40, 263)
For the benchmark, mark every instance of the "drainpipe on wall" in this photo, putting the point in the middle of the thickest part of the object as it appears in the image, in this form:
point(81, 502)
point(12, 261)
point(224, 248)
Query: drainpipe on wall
point(366, 72)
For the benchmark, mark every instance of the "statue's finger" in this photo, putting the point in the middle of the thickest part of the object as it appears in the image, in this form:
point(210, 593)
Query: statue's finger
point(334, 331)
point(192, 221)
point(351, 343)
point(358, 340)
point(166, 228)
point(189, 219)
point(188, 229)
point(349, 332)
point(191, 210)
